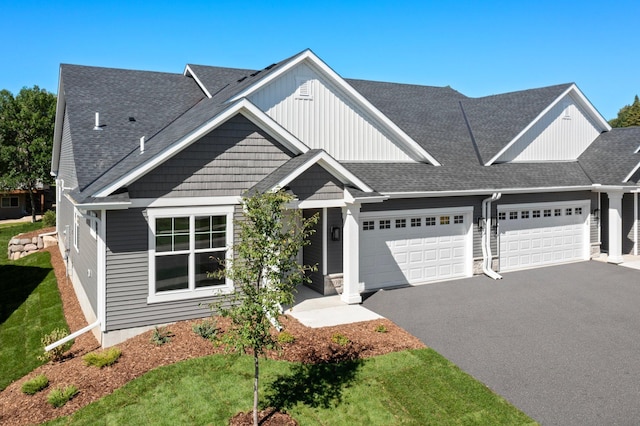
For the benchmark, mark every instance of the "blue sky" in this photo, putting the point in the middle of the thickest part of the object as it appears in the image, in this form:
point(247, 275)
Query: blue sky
point(478, 48)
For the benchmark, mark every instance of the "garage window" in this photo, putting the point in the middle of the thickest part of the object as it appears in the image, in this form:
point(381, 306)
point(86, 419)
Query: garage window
point(401, 223)
point(568, 212)
point(368, 225)
point(513, 215)
point(502, 216)
point(430, 221)
point(524, 214)
point(535, 213)
point(547, 212)
point(385, 224)
point(445, 220)
point(578, 210)
point(416, 221)
point(557, 212)
point(458, 219)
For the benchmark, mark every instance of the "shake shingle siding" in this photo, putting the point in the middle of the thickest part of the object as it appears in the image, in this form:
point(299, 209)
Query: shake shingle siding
point(227, 161)
point(67, 168)
point(127, 276)
point(317, 184)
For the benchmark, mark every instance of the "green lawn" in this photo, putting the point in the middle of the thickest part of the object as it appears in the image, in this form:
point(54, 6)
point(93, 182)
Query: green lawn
point(30, 307)
point(415, 387)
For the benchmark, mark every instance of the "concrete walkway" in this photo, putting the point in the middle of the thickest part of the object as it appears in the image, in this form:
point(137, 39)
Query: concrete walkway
point(315, 310)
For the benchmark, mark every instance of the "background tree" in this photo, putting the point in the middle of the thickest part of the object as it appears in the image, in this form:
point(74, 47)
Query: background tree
point(26, 138)
point(629, 115)
point(265, 273)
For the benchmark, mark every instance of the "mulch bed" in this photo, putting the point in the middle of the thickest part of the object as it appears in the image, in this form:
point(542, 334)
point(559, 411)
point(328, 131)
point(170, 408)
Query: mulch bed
point(139, 355)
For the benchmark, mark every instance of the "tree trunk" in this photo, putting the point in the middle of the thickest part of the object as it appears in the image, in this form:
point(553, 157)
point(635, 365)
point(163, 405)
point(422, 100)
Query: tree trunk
point(32, 198)
point(256, 375)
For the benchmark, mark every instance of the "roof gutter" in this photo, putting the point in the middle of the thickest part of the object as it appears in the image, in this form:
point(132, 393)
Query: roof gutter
point(421, 194)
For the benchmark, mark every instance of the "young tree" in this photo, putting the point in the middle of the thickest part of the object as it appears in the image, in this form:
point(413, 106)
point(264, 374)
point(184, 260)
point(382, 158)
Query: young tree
point(26, 138)
point(265, 273)
point(629, 115)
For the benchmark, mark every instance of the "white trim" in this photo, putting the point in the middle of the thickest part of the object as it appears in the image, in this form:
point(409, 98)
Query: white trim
point(635, 223)
point(244, 107)
point(101, 249)
point(185, 201)
point(421, 194)
point(327, 162)
point(582, 100)
point(325, 230)
point(315, 62)
point(191, 292)
point(188, 71)
point(61, 104)
point(635, 169)
point(76, 228)
point(317, 204)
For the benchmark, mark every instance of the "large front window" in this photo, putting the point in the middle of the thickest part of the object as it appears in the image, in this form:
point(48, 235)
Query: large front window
point(185, 249)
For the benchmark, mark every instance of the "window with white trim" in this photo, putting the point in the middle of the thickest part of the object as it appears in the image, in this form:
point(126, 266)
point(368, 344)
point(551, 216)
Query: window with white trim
point(10, 202)
point(568, 211)
point(578, 211)
point(384, 224)
point(416, 221)
point(368, 225)
point(430, 221)
point(557, 212)
point(92, 223)
point(547, 212)
point(513, 215)
point(458, 219)
point(186, 245)
point(524, 214)
point(502, 216)
point(535, 213)
point(445, 220)
point(401, 223)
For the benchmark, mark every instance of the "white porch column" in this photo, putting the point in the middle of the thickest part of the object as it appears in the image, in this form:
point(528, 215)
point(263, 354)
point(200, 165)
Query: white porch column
point(351, 254)
point(615, 226)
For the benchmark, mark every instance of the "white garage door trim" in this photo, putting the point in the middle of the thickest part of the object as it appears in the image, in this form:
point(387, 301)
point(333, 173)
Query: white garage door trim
point(549, 240)
point(420, 262)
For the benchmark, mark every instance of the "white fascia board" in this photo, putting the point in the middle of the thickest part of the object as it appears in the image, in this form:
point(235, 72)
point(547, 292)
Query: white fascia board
point(244, 107)
point(106, 205)
point(57, 132)
point(189, 72)
point(422, 194)
point(331, 165)
point(635, 169)
point(579, 97)
point(331, 75)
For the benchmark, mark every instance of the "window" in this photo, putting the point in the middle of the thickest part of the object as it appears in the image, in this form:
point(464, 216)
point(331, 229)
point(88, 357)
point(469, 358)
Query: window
point(368, 225)
point(502, 215)
point(186, 245)
point(568, 211)
point(416, 221)
point(547, 212)
point(92, 224)
point(9, 202)
point(458, 219)
point(384, 224)
point(76, 229)
point(578, 211)
point(557, 212)
point(430, 221)
point(535, 213)
point(445, 220)
point(401, 223)
point(513, 215)
point(524, 214)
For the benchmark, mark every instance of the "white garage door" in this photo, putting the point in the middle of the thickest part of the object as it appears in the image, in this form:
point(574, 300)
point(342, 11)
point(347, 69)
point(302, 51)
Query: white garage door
point(411, 247)
point(533, 235)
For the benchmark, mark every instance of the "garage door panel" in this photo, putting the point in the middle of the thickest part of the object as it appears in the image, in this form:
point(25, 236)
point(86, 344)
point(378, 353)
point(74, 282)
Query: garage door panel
point(559, 236)
point(415, 254)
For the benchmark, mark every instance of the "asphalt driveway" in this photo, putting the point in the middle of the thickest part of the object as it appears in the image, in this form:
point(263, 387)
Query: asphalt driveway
point(561, 343)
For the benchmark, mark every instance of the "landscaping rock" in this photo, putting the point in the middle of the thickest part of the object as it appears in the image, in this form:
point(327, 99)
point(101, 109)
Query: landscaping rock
point(15, 248)
point(24, 241)
point(30, 247)
point(49, 241)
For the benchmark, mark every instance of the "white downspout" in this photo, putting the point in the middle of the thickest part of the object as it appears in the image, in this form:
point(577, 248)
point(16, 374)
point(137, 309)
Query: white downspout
point(486, 237)
point(71, 336)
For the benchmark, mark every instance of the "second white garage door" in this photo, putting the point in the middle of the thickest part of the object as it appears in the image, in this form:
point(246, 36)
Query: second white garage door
point(533, 235)
point(412, 247)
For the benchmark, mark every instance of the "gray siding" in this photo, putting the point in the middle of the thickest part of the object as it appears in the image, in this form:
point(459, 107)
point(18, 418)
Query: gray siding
point(312, 254)
point(334, 248)
point(127, 278)
point(227, 161)
point(66, 167)
point(317, 184)
point(627, 224)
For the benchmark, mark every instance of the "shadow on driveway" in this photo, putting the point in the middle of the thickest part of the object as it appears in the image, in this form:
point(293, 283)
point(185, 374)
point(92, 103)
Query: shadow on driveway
point(562, 343)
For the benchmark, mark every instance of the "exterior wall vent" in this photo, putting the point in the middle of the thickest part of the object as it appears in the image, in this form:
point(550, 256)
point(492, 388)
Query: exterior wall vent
point(305, 88)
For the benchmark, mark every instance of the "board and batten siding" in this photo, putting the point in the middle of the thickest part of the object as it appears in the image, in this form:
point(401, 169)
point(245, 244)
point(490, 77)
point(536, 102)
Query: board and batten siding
point(227, 161)
point(127, 278)
point(327, 119)
point(66, 167)
point(565, 123)
point(317, 184)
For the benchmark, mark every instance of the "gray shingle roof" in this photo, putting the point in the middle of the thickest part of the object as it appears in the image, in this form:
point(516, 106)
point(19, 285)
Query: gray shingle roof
point(610, 158)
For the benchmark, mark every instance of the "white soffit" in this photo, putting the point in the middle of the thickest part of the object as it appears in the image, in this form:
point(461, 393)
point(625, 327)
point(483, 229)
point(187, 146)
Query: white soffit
point(579, 98)
point(332, 76)
point(244, 107)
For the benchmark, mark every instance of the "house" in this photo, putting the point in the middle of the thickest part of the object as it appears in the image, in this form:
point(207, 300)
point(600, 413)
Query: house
point(413, 184)
point(15, 204)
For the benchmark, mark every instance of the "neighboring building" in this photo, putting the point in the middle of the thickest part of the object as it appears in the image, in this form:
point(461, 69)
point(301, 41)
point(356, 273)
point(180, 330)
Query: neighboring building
point(413, 184)
point(16, 204)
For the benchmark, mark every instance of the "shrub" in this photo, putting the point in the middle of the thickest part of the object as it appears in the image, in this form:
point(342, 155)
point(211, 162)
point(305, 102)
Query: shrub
point(206, 329)
point(161, 335)
point(381, 328)
point(59, 396)
point(340, 339)
point(286, 337)
point(35, 385)
point(56, 354)
point(104, 358)
point(49, 219)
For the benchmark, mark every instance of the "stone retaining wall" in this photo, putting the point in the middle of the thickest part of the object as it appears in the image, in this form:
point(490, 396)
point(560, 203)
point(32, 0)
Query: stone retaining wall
point(21, 247)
